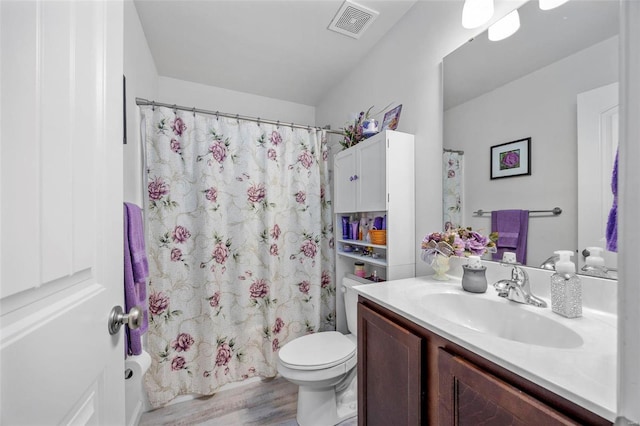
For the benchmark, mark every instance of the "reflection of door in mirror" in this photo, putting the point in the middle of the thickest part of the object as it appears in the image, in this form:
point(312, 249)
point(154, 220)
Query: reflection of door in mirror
point(597, 145)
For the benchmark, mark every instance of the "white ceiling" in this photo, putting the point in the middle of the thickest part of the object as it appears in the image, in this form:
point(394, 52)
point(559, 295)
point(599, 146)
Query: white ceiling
point(279, 49)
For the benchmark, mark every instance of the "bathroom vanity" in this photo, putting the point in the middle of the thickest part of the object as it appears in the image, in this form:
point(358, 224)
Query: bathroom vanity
point(422, 359)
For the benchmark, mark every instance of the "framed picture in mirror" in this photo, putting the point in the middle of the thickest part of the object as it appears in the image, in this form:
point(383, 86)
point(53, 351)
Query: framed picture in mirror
point(511, 159)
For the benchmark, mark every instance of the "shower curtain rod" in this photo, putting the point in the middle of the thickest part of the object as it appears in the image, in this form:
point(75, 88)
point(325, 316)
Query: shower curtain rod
point(140, 101)
point(457, 151)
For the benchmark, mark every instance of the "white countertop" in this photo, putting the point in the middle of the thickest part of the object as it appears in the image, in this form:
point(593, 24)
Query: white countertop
point(585, 375)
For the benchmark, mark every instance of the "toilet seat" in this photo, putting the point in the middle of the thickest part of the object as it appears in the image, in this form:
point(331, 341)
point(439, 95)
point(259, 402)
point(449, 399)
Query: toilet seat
point(317, 351)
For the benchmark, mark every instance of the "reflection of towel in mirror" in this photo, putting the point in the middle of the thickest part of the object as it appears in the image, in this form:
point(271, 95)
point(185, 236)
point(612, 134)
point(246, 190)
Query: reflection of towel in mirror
point(512, 227)
point(136, 271)
point(612, 221)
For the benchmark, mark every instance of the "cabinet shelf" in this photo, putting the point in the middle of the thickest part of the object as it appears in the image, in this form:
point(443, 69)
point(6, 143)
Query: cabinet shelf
point(366, 259)
point(362, 243)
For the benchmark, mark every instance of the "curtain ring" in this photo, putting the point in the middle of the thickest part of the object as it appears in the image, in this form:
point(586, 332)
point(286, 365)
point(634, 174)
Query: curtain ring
point(217, 116)
point(153, 106)
point(309, 129)
point(175, 109)
point(292, 126)
point(238, 118)
point(258, 121)
point(278, 125)
point(194, 112)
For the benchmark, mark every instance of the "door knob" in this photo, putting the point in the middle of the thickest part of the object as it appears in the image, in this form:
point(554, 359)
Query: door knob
point(117, 318)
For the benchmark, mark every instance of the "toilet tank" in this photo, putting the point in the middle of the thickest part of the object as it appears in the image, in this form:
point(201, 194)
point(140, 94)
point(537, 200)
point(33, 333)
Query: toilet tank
point(351, 301)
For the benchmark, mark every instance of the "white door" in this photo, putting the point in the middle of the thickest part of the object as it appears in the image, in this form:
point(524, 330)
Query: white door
point(61, 212)
point(371, 194)
point(597, 145)
point(345, 181)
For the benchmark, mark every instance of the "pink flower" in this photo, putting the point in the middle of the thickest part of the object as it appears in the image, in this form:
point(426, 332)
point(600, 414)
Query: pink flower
point(175, 145)
point(306, 159)
point(256, 193)
point(157, 189)
point(510, 159)
point(211, 194)
point(275, 232)
point(178, 363)
point(220, 253)
point(178, 126)
point(273, 250)
point(309, 248)
point(304, 287)
point(326, 279)
point(275, 138)
point(183, 342)
point(180, 234)
point(259, 289)
point(275, 345)
point(218, 150)
point(158, 302)
point(176, 255)
point(214, 300)
point(277, 326)
point(224, 355)
point(301, 197)
point(271, 154)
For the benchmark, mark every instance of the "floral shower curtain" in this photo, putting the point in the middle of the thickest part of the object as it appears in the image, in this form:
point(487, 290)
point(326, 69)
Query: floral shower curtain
point(240, 244)
point(452, 189)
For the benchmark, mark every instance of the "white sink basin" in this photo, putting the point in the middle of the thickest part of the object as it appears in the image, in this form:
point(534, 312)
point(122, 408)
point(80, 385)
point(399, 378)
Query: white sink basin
point(505, 320)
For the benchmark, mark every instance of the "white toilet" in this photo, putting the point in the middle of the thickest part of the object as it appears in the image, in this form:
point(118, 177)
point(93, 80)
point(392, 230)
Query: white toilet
point(324, 366)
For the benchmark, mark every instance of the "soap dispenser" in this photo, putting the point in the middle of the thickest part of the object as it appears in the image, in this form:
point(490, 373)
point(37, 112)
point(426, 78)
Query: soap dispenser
point(594, 263)
point(566, 289)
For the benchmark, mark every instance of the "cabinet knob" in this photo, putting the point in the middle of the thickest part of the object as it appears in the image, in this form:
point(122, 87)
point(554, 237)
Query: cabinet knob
point(354, 177)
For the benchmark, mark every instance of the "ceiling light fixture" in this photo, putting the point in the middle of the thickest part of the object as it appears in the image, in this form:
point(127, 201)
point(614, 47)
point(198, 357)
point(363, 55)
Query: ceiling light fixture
point(476, 13)
point(551, 4)
point(505, 27)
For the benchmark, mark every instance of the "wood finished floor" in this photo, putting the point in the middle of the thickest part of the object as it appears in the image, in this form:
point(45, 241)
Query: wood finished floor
point(260, 403)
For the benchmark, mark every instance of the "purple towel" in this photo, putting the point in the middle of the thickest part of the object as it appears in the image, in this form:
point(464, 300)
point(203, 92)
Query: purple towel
point(512, 227)
point(136, 270)
point(612, 221)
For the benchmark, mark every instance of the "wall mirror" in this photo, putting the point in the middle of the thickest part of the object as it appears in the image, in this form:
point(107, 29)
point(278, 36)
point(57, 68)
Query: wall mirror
point(533, 85)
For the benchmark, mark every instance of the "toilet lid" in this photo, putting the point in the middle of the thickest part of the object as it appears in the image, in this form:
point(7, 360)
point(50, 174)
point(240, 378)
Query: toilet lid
point(319, 350)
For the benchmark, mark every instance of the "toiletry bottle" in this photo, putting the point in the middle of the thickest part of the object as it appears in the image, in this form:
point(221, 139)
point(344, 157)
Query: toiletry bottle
point(595, 263)
point(566, 289)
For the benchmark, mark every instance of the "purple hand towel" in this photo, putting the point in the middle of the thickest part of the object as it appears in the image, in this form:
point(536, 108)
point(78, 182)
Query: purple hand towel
point(136, 270)
point(612, 221)
point(512, 227)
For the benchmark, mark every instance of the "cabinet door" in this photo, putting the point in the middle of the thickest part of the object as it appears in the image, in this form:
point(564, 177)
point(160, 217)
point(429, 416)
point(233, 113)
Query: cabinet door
point(389, 372)
point(372, 173)
point(344, 181)
point(471, 396)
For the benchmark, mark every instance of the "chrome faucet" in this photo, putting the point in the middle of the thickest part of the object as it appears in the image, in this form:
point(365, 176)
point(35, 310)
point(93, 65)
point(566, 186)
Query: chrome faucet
point(518, 288)
point(598, 271)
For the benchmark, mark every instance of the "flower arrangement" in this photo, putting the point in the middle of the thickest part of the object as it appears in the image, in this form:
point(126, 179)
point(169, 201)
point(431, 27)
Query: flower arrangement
point(461, 242)
point(353, 133)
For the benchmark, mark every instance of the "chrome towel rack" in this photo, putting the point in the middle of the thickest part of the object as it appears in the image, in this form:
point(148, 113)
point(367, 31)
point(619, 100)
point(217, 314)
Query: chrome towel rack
point(555, 211)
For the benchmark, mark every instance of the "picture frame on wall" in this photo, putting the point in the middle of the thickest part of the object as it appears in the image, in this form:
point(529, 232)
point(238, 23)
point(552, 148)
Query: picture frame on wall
point(511, 159)
point(391, 118)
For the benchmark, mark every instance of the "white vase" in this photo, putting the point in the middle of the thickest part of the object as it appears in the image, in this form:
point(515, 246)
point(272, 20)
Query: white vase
point(440, 266)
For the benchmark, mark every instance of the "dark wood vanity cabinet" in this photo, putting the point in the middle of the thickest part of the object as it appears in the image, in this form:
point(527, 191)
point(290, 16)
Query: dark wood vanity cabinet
point(408, 375)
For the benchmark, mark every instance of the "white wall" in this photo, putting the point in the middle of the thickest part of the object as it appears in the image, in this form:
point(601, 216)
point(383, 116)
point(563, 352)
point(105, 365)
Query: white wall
point(541, 105)
point(142, 82)
point(405, 68)
point(186, 93)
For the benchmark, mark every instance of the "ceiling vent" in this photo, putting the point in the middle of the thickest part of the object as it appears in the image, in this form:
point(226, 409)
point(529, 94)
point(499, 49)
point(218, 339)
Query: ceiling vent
point(352, 19)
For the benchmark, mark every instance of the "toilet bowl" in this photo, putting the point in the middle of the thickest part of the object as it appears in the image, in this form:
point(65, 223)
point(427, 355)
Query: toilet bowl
point(323, 365)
